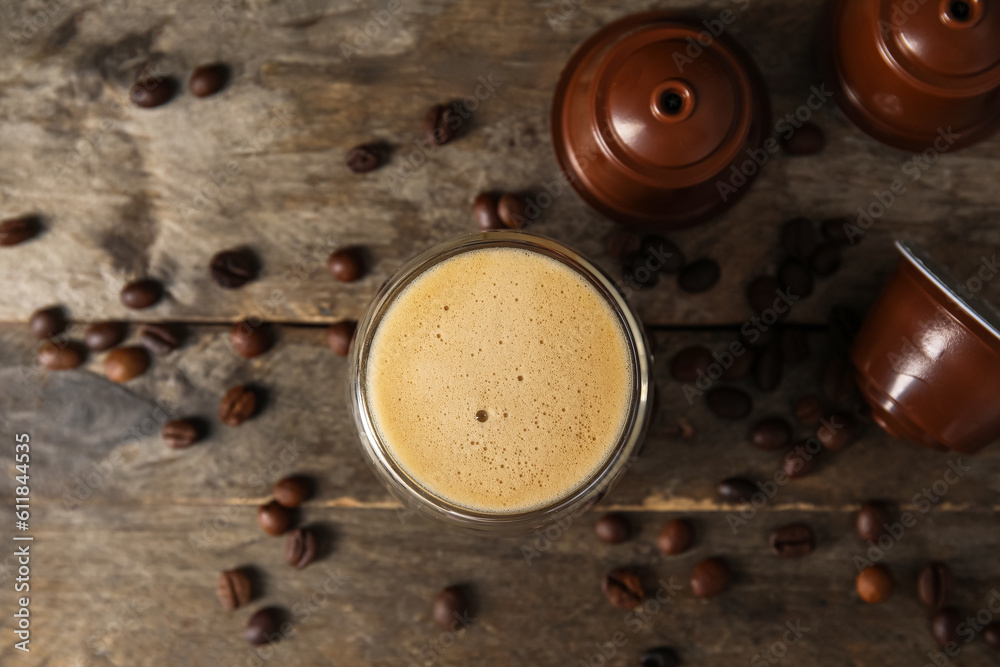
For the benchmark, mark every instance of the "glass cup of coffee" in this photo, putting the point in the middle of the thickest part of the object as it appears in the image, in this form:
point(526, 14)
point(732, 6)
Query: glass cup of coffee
point(500, 382)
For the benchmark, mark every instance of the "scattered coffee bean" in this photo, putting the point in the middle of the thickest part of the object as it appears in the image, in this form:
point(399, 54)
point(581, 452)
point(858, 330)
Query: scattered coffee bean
point(512, 210)
point(663, 252)
point(691, 363)
point(274, 518)
point(809, 409)
point(844, 323)
point(660, 656)
point(741, 366)
point(807, 140)
point(234, 589)
point(154, 92)
point(763, 293)
point(124, 363)
point(796, 278)
point(180, 433)
point(793, 541)
point(944, 626)
point(300, 548)
point(292, 491)
point(826, 260)
point(991, 635)
point(798, 462)
point(872, 519)
point(676, 537)
point(251, 339)
point(875, 584)
point(141, 294)
point(837, 432)
point(102, 336)
point(15, 231)
point(613, 528)
point(441, 123)
point(264, 627)
point(935, 585)
point(231, 269)
point(237, 406)
point(340, 336)
point(710, 577)
point(794, 345)
point(208, 79)
point(767, 370)
point(622, 588)
point(160, 339)
point(736, 490)
point(450, 606)
point(729, 403)
point(47, 322)
point(346, 264)
point(771, 433)
point(364, 158)
point(838, 379)
point(699, 276)
point(62, 357)
point(622, 244)
point(800, 237)
point(484, 210)
point(836, 230)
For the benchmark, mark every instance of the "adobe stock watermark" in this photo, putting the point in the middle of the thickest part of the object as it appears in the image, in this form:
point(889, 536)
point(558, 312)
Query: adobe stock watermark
point(26, 28)
point(713, 30)
point(562, 13)
point(967, 630)
point(791, 634)
point(363, 37)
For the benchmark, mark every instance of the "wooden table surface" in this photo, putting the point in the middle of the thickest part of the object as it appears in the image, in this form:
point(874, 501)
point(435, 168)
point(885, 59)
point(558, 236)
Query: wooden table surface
point(130, 536)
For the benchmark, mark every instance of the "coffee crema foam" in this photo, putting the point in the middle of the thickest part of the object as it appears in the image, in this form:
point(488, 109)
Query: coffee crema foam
point(500, 380)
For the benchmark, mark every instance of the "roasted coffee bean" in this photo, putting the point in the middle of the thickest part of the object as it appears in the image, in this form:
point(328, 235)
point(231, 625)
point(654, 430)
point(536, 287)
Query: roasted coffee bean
point(153, 92)
point(793, 541)
point(102, 336)
point(691, 363)
point(771, 433)
point(622, 588)
point(838, 380)
point(800, 237)
point(251, 339)
point(233, 589)
point(736, 490)
point(346, 264)
point(838, 431)
point(839, 231)
point(61, 357)
point(991, 635)
point(622, 244)
point(613, 528)
point(809, 409)
point(741, 365)
point(274, 518)
point(935, 585)
point(872, 520)
point(292, 491)
point(124, 363)
point(264, 627)
point(798, 462)
point(231, 269)
point(796, 278)
point(676, 537)
point(47, 322)
point(15, 231)
point(340, 336)
point(180, 433)
point(944, 626)
point(512, 210)
point(729, 403)
point(364, 158)
point(807, 140)
point(208, 79)
point(794, 347)
point(767, 370)
point(441, 123)
point(451, 605)
point(484, 210)
point(300, 548)
point(710, 577)
point(763, 293)
point(844, 324)
point(699, 276)
point(160, 339)
point(826, 260)
point(660, 656)
point(140, 294)
point(875, 584)
point(237, 406)
point(663, 253)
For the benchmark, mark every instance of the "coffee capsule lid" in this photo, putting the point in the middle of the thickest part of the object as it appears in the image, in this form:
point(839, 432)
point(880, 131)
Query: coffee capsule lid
point(972, 303)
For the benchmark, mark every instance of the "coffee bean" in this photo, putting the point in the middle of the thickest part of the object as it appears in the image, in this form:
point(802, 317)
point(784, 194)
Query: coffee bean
point(637, 274)
point(208, 79)
point(676, 537)
point(793, 541)
point(180, 433)
point(838, 380)
point(364, 158)
point(622, 588)
point(441, 123)
point(736, 490)
point(872, 519)
point(991, 635)
point(141, 294)
point(729, 403)
point(512, 210)
point(935, 585)
point(844, 324)
point(699, 276)
point(838, 230)
point(613, 528)
point(944, 626)
point(61, 357)
point(233, 589)
point(153, 92)
point(771, 433)
point(875, 584)
point(484, 211)
point(124, 363)
point(346, 264)
point(710, 577)
point(767, 370)
point(102, 336)
point(231, 269)
point(794, 345)
point(15, 231)
point(621, 243)
point(798, 462)
point(450, 606)
point(826, 260)
point(292, 491)
point(237, 406)
point(47, 322)
point(300, 548)
point(160, 339)
point(662, 252)
point(251, 339)
point(763, 293)
point(274, 518)
point(340, 336)
point(838, 431)
point(660, 656)
point(807, 140)
point(800, 237)
point(809, 409)
point(742, 365)
point(796, 278)
point(691, 363)
point(264, 627)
